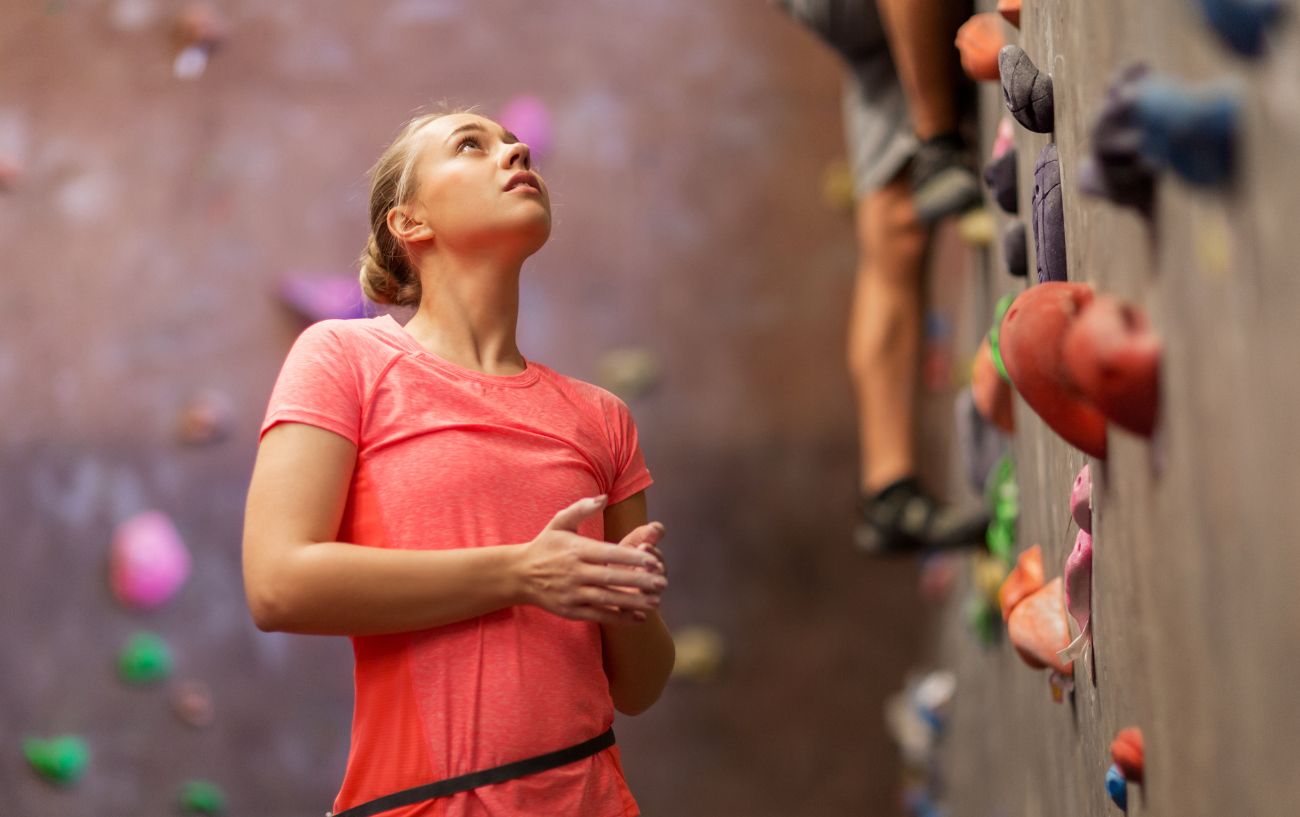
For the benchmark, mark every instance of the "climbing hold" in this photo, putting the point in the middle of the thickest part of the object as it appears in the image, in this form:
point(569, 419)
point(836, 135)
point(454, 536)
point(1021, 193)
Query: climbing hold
point(145, 659)
point(1000, 176)
point(1015, 250)
point(1128, 753)
point(991, 393)
point(1039, 629)
point(1025, 579)
point(192, 701)
point(938, 574)
point(699, 653)
point(977, 227)
point(202, 797)
point(148, 561)
point(1026, 90)
point(978, 40)
point(1115, 168)
point(1049, 217)
point(981, 444)
point(1061, 685)
point(205, 419)
point(1010, 11)
point(1030, 342)
point(1078, 594)
point(1117, 788)
point(982, 620)
point(318, 297)
point(1242, 23)
point(915, 715)
point(11, 173)
point(1004, 138)
point(200, 30)
point(59, 760)
point(527, 117)
point(628, 372)
point(1113, 357)
point(995, 333)
point(1081, 499)
point(1002, 496)
point(837, 187)
point(1193, 132)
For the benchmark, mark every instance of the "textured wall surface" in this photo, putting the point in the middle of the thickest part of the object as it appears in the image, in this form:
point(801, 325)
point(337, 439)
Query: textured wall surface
point(142, 247)
point(1195, 614)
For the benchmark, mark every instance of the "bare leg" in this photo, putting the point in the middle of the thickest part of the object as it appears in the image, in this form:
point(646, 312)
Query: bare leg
point(920, 36)
point(884, 332)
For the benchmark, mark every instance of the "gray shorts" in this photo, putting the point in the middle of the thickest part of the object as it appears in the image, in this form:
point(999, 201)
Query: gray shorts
point(877, 128)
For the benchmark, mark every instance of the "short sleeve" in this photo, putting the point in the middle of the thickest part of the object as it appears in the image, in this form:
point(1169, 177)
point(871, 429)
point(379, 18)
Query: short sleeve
point(318, 385)
point(630, 472)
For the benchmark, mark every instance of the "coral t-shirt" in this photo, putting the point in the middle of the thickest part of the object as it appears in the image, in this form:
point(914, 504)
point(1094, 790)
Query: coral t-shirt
point(449, 457)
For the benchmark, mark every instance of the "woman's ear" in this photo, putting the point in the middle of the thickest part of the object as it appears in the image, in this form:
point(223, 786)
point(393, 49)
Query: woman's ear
point(407, 228)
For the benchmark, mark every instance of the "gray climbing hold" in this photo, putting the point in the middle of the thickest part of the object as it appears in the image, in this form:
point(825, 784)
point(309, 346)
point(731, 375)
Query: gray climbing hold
point(1049, 217)
point(1115, 168)
point(1001, 177)
point(1026, 90)
point(1015, 250)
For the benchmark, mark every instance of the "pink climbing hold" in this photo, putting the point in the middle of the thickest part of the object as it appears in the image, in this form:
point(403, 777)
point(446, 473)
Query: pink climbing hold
point(149, 562)
point(1078, 580)
point(527, 117)
point(1081, 499)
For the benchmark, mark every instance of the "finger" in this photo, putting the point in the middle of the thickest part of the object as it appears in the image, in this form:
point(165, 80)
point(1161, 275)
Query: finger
point(649, 533)
point(604, 615)
point(621, 577)
point(605, 553)
point(618, 599)
point(572, 516)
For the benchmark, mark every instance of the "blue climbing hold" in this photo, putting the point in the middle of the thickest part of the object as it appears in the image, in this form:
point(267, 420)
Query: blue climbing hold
point(1117, 787)
point(1194, 133)
point(1242, 23)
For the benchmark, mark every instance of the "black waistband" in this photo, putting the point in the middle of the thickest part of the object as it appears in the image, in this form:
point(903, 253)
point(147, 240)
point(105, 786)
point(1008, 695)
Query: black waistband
point(497, 774)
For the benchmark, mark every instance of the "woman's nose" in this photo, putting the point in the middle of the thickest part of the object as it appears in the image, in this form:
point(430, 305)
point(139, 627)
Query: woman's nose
point(518, 153)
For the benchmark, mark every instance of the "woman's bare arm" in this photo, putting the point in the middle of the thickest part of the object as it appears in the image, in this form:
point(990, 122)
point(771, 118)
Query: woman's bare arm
point(297, 578)
point(638, 655)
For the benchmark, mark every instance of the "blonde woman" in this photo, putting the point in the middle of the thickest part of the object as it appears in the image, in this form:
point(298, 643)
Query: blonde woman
point(473, 520)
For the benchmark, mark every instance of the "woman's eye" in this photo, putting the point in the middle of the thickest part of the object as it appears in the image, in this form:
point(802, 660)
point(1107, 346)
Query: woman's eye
point(468, 140)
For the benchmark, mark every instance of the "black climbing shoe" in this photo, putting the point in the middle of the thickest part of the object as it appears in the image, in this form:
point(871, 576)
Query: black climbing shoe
point(943, 182)
point(901, 519)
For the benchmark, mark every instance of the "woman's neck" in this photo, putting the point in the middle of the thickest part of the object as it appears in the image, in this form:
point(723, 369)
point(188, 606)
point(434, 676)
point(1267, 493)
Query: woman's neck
point(468, 314)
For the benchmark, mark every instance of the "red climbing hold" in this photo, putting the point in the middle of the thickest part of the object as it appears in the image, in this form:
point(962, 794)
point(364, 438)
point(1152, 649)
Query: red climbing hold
point(1113, 357)
point(1010, 11)
point(1127, 752)
point(979, 40)
point(1039, 629)
point(1031, 341)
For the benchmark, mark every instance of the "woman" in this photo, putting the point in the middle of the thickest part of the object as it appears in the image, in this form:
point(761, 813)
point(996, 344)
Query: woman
point(454, 508)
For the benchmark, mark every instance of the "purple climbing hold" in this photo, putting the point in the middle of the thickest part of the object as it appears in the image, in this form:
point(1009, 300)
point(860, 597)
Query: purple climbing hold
point(318, 297)
point(1049, 217)
point(1115, 169)
point(1192, 132)
point(1001, 177)
point(1242, 23)
point(1026, 90)
point(1015, 250)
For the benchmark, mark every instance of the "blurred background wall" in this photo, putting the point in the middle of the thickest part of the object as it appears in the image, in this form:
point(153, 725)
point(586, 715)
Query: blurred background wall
point(144, 243)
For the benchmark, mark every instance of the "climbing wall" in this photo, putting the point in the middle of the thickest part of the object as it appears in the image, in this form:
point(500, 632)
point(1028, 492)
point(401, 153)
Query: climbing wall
point(1194, 611)
point(158, 210)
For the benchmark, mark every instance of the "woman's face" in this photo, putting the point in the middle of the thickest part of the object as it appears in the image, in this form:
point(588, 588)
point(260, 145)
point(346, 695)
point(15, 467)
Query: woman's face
point(477, 189)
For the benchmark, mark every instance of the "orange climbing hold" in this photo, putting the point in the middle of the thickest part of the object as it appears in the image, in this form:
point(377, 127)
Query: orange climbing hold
point(1024, 579)
point(1039, 630)
point(1010, 11)
point(1031, 340)
point(979, 40)
point(992, 394)
point(1127, 752)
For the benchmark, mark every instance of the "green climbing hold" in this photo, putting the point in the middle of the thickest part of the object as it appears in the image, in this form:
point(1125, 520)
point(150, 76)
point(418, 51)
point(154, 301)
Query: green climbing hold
point(60, 760)
point(1002, 495)
point(1004, 303)
point(984, 620)
point(203, 797)
point(145, 659)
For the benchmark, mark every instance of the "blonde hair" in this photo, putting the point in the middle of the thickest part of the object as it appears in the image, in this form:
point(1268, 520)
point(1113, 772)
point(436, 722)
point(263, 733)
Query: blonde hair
point(387, 274)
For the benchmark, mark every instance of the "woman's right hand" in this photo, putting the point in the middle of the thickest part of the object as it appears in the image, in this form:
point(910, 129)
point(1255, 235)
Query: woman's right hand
point(581, 578)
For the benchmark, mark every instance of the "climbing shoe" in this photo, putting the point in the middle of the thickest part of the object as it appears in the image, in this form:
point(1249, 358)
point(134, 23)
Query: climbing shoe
point(943, 182)
point(902, 519)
